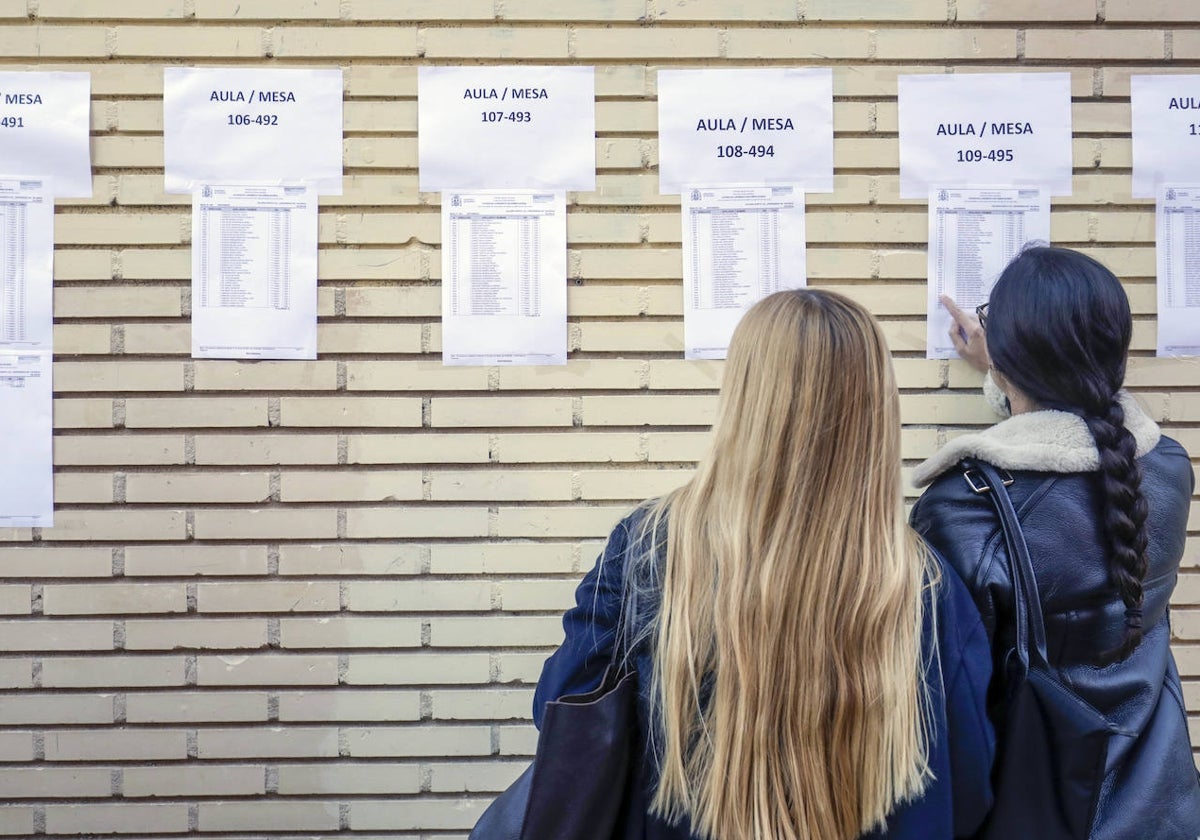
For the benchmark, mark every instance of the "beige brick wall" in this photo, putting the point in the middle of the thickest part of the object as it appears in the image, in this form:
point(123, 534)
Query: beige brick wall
point(312, 597)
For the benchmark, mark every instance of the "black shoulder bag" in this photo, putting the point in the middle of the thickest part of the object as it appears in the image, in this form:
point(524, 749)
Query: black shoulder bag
point(580, 782)
point(1051, 759)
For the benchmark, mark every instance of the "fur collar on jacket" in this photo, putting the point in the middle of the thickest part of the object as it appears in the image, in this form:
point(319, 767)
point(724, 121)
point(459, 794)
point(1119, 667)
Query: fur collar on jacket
point(1046, 441)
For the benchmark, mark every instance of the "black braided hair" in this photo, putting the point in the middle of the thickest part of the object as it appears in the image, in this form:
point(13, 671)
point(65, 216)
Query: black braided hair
point(1058, 328)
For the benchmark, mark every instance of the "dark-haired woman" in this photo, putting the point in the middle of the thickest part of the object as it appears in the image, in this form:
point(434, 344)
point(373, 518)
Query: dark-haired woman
point(1103, 500)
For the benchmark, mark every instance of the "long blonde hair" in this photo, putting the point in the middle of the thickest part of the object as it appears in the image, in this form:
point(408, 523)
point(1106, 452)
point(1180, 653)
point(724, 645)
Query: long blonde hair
point(788, 665)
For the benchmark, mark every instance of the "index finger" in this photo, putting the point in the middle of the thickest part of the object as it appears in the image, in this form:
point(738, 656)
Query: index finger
point(953, 308)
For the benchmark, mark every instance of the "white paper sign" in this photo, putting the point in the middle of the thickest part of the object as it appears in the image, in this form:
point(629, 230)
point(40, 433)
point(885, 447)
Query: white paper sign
point(254, 272)
point(226, 125)
point(1178, 234)
point(27, 258)
point(987, 128)
point(1166, 131)
point(491, 128)
point(45, 120)
point(504, 278)
point(745, 127)
point(740, 244)
point(973, 235)
point(26, 447)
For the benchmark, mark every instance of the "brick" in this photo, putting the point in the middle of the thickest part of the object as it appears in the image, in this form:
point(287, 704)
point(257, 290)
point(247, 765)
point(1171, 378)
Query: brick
point(419, 741)
point(328, 41)
point(579, 447)
point(517, 740)
point(342, 778)
point(718, 10)
point(266, 524)
point(641, 43)
point(16, 746)
point(49, 42)
point(16, 599)
point(558, 522)
point(498, 411)
point(55, 635)
point(57, 782)
point(193, 560)
point(368, 338)
point(82, 413)
point(195, 634)
point(496, 42)
point(1096, 43)
point(418, 669)
point(267, 596)
point(394, 301)
point(357, 705)
point(114, 819)
point(506, 558)
point(291, 742)
point(348, 632)
point(421, 10)
point(948, 43)
point(191, 412)
point(191, 707)
point(118, 449)
point(16, 821)
point(16, 673)
point(1149, 11)
point(267, 9)
point(579, 10)
point(116, 745)
point(1019, 11)
point(799, 43)
point(419, 521)
point(267, 670)
point(631, 484)
point(341, 412)
point(113, 598)
point(266, 448)
point(493, 704)
point(678, 410)
point(82, 339)
point(41, 709)
point(868, 10)
point(412, 814)
point(197, 487)
point(632, 337)
point(56, 561)
point(350, 559)
point(96, 229)
point(413, 376)
point(212, 375)
point(100, 10)
point(457, 486)
point(194, 780)
point(418, 449)
point(525, 595)
point(123, 377)
point(189, 42)
point(270, 816)
point(418, 596)
point(112, 672)
point(351, 486)
point(492, 777)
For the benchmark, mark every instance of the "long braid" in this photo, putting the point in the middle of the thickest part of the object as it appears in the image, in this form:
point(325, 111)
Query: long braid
point(1124, 512)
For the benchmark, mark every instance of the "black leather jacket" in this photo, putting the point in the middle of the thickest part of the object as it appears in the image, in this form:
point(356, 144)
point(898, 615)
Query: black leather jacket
point(1151, 790)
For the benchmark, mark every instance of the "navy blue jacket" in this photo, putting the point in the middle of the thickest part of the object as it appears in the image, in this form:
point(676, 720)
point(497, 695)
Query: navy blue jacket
point(961, 743)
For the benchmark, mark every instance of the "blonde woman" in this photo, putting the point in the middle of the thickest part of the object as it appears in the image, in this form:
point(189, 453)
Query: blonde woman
point(808, 669)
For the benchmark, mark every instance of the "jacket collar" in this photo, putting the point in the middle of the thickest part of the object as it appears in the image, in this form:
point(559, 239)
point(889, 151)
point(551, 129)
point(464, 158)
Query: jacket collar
point(1046, 441)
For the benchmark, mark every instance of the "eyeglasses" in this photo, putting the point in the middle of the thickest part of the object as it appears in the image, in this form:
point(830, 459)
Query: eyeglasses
point(981, 314)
